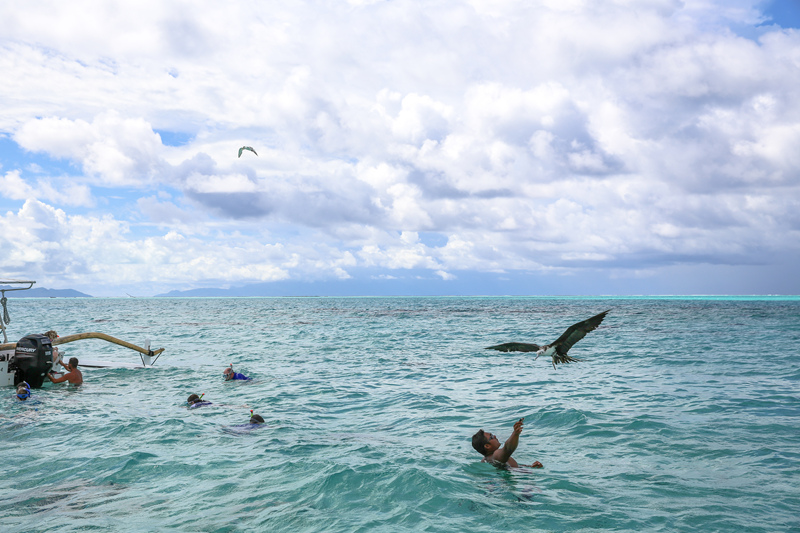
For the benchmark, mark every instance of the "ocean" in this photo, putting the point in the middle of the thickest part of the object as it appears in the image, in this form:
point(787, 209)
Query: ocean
point(683, 415)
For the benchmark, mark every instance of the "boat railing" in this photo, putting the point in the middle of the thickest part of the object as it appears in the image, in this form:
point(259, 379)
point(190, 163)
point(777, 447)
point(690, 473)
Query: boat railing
point(7, 285)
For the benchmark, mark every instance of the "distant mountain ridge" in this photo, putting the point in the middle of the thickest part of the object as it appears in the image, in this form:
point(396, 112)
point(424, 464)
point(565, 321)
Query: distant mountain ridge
point(42, 292)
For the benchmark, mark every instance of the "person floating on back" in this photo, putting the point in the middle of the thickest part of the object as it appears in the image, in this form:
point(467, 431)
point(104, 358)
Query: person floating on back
point(73, 375)
point(488, 445)
point(230, 375)
point(196, 401)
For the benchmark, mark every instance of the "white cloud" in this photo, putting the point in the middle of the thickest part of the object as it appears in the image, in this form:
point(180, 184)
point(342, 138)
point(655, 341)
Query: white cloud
point(13, 186)
point(445, 275)
point(536, 135)
point(115, 150)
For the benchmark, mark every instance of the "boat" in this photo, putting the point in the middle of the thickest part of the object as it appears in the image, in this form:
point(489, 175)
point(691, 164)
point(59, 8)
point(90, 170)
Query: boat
point(30, 358)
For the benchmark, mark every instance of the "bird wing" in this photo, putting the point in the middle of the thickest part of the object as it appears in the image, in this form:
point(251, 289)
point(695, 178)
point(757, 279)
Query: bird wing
point(253, 150)
point(576, 332)
point(515, 347)
point(240, 151)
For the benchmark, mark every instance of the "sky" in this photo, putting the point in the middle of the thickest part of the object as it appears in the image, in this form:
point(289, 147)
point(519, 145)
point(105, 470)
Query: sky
point(538, 147)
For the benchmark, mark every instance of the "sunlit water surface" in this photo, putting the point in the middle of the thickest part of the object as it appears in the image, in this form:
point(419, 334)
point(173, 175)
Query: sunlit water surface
point(683, 416)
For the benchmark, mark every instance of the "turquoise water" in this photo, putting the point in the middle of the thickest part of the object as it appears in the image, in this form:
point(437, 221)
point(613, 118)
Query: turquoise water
point(683, 416)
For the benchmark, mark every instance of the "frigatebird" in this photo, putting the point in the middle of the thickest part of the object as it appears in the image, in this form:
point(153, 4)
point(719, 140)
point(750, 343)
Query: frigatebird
point(246, 148)
point(558, 349)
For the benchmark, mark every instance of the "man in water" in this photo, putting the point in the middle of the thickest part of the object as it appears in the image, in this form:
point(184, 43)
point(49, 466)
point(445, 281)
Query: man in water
point(488, 445)
point(73, 375)
point(230, 375)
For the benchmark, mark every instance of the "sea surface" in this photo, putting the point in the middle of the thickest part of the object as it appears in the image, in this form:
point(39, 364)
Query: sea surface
point(684, 415)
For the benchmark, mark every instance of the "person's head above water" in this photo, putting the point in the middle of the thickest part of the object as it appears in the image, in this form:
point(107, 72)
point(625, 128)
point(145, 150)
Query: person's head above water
point(73, 363)
point(485, 443)
point(193, 398)
point(228, 373)
point(23, 391)
point(256, 419)
point(52, 335)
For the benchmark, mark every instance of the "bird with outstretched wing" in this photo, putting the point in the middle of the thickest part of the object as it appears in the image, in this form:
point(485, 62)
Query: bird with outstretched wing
point(246, 148)
point(558, 349)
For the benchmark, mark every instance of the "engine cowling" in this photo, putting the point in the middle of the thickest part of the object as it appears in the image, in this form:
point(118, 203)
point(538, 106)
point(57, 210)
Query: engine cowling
point(32, 360)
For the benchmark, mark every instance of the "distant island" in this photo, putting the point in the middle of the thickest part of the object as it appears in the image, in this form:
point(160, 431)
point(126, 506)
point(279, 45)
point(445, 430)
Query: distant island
point(41, 292)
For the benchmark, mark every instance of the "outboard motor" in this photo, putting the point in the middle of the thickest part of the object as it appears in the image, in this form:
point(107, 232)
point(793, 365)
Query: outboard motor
point(32, 360)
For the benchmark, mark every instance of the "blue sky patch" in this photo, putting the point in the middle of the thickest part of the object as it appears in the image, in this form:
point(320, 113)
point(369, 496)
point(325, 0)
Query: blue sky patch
point(174, 138)
point(784, 13)
point(13, 157)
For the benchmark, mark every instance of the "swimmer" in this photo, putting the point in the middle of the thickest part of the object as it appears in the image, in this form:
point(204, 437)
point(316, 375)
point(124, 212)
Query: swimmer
point(23, 391)
point(196, 401)
point(230, 375)
point(255, 422)
point(73, 375)
point(489, 446)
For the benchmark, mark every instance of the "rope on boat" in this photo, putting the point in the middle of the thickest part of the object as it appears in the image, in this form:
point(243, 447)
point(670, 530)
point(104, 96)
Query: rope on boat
point(6, 316)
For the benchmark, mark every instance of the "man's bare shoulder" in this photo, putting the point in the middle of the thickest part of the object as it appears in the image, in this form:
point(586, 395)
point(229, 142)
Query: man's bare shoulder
point(492, 460)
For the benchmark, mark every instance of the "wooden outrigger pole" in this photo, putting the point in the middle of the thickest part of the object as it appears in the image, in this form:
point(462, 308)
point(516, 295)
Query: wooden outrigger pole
point(95, 335)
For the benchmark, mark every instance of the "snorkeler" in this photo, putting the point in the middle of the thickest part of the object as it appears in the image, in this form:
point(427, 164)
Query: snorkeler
point(196, 401)
point(255, 422)
point(489, 446)
point(230, 375)
point(73, 375)
point(23, 391)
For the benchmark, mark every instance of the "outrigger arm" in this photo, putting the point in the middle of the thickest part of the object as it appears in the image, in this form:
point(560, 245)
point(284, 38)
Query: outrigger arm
point(146, 352)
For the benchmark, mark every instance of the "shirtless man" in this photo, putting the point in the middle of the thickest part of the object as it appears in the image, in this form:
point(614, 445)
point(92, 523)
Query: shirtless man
point(73, 375)
point(489, 446)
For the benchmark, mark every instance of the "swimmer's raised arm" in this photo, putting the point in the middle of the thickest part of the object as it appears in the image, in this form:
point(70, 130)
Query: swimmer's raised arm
point(504, 454)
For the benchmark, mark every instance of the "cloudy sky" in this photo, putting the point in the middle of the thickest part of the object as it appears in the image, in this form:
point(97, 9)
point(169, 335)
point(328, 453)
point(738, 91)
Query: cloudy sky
point(404, 147)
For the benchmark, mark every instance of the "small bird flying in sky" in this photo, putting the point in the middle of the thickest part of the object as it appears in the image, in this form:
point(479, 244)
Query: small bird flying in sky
point(246, 148)
point(558, 349)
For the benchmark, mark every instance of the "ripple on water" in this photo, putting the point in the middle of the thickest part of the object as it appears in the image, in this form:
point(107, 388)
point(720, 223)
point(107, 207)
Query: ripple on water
point(370, 404)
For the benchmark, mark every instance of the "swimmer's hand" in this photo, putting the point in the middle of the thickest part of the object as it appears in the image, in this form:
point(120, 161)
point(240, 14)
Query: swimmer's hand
point(537, 464)
point(518, 426)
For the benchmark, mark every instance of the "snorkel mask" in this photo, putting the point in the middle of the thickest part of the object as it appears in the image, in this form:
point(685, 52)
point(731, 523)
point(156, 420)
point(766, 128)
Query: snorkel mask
point(255, 419)
point(25, 393)
point(196, 400)
point(228, 373)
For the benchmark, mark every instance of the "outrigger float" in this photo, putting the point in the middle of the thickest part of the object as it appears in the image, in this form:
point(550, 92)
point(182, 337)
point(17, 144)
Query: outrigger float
point(31, 358)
